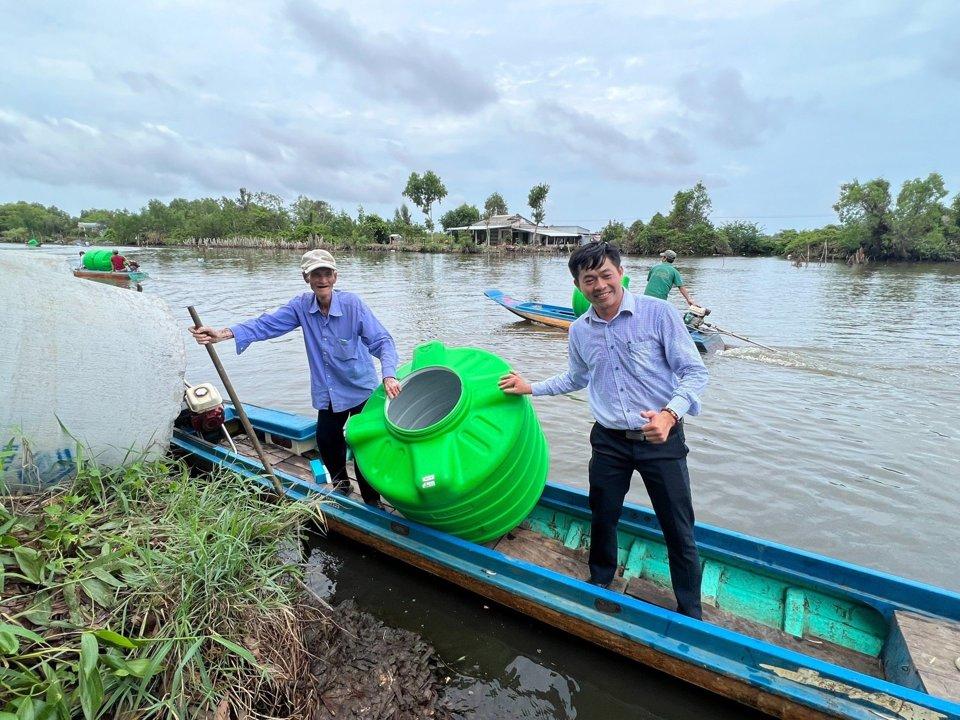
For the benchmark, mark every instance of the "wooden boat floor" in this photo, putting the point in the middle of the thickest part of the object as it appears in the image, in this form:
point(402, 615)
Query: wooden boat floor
point(525, 544)
point(933, 648)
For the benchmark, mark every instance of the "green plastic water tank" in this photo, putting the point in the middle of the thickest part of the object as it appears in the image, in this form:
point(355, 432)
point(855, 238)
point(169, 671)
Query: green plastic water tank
point(97, 260)
point(452, 451)
point(580, 302)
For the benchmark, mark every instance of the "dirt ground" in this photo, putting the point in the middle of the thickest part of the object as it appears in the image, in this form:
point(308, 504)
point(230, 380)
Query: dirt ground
point(360, 668)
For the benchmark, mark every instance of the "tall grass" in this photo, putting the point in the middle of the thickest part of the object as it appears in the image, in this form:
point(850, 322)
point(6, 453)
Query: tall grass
point(145, 592)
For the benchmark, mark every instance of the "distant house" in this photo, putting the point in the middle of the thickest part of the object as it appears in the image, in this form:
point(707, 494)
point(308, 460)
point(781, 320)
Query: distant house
point(517, 230)
point(92, 228)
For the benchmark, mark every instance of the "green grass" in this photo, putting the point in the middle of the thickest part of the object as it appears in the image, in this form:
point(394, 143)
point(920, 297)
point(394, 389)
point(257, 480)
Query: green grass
point(145, 592)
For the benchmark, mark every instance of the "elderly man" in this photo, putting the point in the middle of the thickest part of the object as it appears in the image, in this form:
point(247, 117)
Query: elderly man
point(340, 334)
point(663, 277)
point(643, 374)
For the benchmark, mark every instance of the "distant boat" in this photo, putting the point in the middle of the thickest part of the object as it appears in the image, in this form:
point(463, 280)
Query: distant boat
point(794, 634)
point(113, 278)
point(561, 317)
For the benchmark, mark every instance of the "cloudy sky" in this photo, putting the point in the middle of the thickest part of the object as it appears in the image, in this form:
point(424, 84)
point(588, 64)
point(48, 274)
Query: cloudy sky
point(616, 105)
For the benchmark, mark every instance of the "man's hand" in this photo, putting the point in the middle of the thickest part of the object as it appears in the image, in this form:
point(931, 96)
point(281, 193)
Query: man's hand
point(392, 387)
point(513, 384)
point(657, 430)
point(207, 335)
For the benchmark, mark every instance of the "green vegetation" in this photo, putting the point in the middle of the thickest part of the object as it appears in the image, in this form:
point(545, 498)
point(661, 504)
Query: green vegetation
point(423, 191)
point(537, 200)
point(144, 592)
point(459, 217)
point(918, 225)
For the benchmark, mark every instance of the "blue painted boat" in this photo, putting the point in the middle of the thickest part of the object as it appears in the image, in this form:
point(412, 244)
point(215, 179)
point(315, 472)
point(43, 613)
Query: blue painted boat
point(562, 317)
point(791, 633)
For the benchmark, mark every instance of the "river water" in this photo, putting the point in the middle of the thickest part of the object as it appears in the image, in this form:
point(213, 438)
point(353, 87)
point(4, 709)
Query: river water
point(842, 441)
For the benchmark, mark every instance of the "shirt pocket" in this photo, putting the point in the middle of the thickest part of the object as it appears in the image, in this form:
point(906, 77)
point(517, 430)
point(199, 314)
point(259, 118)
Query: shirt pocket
point(345, 348)
point(642, 353)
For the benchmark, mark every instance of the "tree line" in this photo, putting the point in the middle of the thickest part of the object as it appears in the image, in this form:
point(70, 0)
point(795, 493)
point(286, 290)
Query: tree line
point(918, 224)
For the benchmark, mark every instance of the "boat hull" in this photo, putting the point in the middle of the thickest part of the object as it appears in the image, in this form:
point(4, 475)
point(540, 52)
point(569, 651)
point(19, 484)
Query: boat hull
point(113, 277)
point(772, 678)
point(562, 317)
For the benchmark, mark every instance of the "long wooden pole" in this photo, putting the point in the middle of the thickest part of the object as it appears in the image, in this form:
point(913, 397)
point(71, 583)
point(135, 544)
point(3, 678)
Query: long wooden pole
point(238, 406)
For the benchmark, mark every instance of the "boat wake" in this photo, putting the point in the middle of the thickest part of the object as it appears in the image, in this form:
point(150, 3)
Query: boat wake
point(784, 358)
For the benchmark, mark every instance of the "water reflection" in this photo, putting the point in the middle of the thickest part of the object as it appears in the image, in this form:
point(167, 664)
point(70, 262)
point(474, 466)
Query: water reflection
point(504, 665)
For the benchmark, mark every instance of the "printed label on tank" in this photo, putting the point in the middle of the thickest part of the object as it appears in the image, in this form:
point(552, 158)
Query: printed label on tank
point(428, 481)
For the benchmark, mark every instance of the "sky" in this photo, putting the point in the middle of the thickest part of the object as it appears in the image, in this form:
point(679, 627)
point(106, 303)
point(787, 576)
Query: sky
point(616, 105)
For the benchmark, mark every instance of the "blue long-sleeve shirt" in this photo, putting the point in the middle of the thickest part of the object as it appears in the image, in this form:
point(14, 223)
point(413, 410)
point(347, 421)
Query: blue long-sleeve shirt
point(642, 359)
point(339, 346)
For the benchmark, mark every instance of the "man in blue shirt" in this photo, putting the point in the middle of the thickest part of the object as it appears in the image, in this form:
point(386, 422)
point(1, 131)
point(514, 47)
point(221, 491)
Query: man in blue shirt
point(643, 373)
point(340, 334)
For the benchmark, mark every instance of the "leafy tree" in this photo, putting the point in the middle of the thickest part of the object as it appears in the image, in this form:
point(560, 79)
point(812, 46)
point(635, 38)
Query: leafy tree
point(305, 211)
point(742, 238)
point(656, 236)
point(537, 200)
point(460, 216)
point(375, 228)
point(36, 219)
point(493, 205)
point(865, 210)
point(919, 213)
point(423, 191)
point(690, 208)
point(244, 198)
point(401, 218)
point(614, 233)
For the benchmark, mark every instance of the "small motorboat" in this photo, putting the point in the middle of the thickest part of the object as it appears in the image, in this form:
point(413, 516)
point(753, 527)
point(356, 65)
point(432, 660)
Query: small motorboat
point(126, 278)
point(557, 316)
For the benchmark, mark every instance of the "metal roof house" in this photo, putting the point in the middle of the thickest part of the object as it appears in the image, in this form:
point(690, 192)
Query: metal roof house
point(517, 230)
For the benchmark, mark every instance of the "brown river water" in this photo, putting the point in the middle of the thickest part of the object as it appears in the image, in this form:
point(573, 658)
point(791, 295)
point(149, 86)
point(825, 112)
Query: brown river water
point(844, 441)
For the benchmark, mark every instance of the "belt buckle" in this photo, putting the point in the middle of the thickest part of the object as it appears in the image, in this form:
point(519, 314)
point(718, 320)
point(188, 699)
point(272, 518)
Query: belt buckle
point(635, 435)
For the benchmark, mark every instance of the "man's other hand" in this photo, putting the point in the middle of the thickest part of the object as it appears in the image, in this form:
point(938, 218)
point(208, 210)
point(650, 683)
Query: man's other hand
point(658, 429)
point(513, 384)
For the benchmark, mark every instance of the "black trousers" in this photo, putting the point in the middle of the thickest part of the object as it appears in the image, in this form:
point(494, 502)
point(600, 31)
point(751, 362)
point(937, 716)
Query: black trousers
point(663, 468)
point(333, 451)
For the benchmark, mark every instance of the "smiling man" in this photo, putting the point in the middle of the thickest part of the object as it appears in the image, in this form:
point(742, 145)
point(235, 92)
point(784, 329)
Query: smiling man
point(643, 374)
point(340, 334)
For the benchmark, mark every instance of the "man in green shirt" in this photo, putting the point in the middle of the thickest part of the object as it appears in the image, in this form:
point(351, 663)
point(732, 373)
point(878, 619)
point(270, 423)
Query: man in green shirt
point(662, 278)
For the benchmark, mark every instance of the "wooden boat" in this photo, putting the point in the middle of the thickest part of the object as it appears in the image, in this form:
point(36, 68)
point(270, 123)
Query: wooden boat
point(558, 316)
point(791, 633)
point(110, 276)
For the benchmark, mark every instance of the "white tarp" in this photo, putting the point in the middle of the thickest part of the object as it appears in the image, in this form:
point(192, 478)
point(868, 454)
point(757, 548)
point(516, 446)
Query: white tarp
point(81, 364)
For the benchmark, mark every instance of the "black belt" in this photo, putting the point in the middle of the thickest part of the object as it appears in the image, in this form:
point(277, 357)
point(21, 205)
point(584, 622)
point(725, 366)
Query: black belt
point(636, 435)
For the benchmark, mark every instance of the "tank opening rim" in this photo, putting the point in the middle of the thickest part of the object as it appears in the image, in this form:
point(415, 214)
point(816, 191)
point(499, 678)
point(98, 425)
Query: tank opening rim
point(433, 416)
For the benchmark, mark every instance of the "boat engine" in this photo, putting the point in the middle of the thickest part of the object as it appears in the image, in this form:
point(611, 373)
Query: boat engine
point(206, 407)
point(695, 316)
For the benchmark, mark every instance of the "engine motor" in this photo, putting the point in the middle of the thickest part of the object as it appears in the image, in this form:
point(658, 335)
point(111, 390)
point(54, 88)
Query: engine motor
point(206, 407)
point(695, 316)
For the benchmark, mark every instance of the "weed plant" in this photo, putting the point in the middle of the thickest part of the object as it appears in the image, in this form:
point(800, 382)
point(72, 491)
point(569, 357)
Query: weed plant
point(146, 592)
